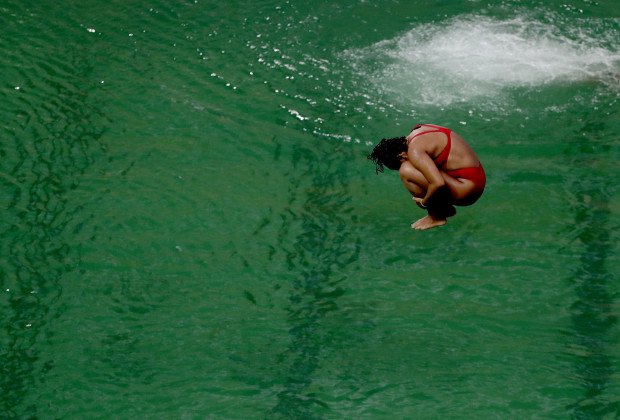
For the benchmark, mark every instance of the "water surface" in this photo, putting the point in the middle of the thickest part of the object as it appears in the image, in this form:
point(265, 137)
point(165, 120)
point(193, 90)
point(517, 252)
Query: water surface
point(190, 227)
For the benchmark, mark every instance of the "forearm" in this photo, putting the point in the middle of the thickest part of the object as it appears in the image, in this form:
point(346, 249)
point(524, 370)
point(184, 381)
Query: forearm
point(431, 192)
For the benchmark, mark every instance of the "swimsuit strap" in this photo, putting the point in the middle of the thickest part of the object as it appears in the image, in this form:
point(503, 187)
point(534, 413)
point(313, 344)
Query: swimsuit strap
point(443, 156)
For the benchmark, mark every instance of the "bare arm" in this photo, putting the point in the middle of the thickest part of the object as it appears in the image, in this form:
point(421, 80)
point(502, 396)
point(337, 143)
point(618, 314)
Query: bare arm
point(421, 159)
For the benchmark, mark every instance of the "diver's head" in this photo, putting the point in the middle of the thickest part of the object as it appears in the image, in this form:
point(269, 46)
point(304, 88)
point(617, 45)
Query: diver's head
point(389, 153)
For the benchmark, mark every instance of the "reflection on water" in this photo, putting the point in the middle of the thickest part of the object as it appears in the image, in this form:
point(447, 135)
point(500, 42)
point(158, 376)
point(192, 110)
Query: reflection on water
point(591, 313)
point(317, 258)
point(49, 133)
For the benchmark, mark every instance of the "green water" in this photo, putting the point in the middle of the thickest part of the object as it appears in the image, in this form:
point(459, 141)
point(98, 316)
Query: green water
point(190, 228)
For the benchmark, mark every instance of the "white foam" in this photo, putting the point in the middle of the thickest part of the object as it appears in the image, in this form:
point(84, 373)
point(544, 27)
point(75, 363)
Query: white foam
point(474, 56)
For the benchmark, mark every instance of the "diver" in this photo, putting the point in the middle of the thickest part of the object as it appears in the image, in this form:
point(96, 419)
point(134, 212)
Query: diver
point(437, 167)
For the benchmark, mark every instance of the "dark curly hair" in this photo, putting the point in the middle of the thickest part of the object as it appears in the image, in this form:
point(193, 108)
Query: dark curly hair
point(387, 152)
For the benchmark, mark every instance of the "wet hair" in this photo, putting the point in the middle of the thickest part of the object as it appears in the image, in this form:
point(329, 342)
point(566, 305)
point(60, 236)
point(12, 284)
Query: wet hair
point(387, 152)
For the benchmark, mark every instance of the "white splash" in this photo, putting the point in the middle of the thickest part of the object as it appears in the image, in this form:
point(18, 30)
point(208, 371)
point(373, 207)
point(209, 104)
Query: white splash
point(297, 115)
point(475, 56)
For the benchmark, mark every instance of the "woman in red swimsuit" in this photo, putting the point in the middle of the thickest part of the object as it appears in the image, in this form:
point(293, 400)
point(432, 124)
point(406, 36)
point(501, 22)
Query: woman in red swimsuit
point(437, 167)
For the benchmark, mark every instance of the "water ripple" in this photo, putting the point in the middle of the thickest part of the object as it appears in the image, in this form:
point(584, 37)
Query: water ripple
point(51, 134)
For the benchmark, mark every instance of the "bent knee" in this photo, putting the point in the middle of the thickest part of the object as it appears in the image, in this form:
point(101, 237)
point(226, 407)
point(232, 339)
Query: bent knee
point(408, 173)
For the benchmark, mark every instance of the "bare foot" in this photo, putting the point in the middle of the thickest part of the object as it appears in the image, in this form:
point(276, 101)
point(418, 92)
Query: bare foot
point(428, 222)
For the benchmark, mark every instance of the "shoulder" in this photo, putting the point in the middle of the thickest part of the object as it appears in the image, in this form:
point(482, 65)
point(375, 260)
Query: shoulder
point(424, 140)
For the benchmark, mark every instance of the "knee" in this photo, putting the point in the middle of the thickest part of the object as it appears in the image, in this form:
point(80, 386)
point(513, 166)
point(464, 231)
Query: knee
point(410, 174)
point(413, 187)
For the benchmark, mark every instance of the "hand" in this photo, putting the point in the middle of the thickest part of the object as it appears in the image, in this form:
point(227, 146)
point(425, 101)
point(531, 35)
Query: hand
point(418, 202)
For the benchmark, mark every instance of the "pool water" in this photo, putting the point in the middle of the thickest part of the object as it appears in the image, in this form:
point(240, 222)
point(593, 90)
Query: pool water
point(191, 229)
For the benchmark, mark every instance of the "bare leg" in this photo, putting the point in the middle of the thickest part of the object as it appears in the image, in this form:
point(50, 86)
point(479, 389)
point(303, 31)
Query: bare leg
point(438, 213)
point(417, 184)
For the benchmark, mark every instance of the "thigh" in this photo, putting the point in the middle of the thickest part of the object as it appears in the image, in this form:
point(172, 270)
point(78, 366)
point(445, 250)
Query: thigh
point(463, 191)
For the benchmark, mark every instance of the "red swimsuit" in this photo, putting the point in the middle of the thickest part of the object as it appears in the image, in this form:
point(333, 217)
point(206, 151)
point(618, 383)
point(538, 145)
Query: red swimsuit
point(473, 173)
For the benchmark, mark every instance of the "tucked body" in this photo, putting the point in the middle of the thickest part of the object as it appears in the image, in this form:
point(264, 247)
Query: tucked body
point(438, 168)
